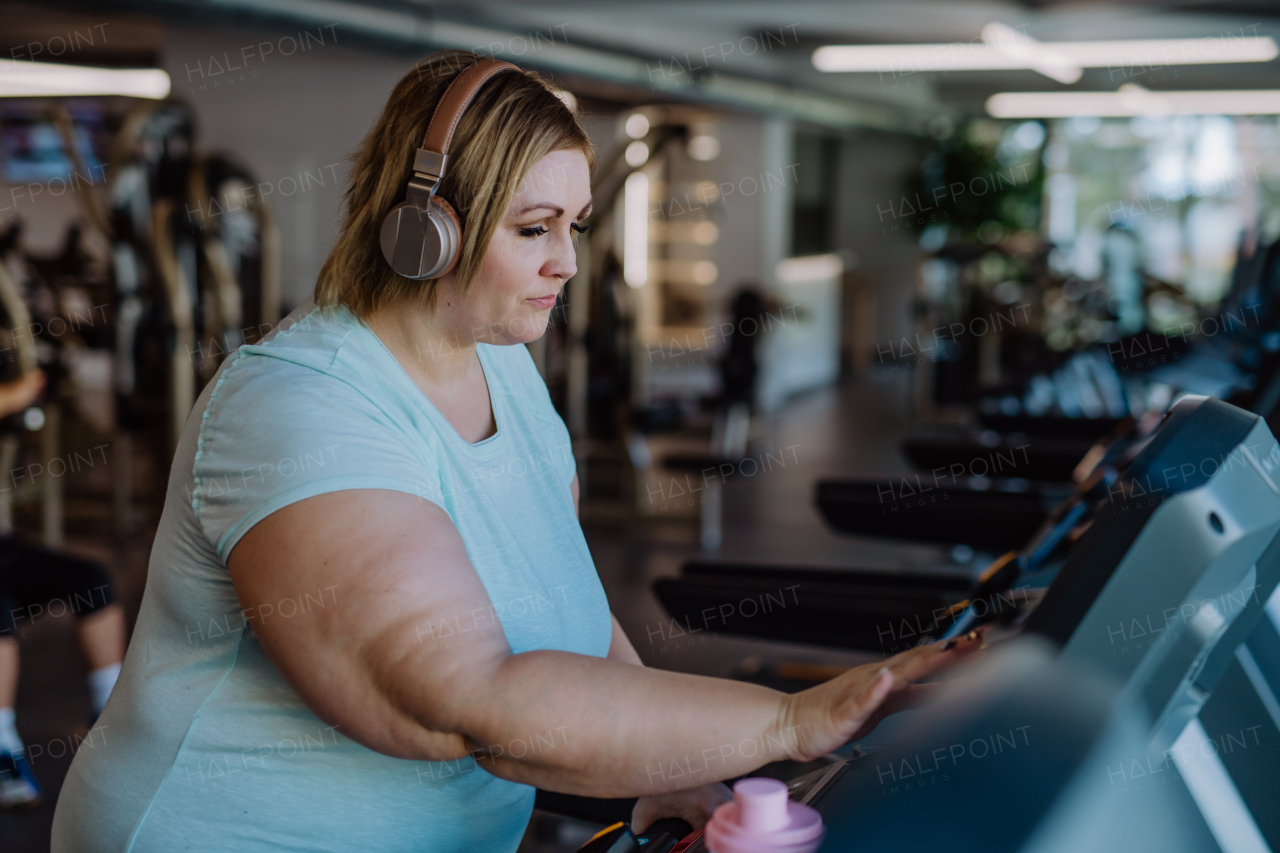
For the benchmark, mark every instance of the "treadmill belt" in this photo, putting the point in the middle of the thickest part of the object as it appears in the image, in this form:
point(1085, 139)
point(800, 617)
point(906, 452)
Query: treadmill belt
point(882, 611)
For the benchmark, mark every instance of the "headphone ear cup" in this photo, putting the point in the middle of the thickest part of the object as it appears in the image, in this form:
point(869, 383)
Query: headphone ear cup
point(452, 248)
point(421, 243)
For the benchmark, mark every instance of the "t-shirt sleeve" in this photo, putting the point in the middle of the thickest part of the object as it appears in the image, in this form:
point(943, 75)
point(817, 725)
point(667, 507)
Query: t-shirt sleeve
point(274, 433)
point(555, 432)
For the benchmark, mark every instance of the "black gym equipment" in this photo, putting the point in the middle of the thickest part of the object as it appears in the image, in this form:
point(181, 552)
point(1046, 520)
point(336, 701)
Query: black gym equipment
point(1058, 416)
point(994, 512)
point(195, 262)
point(1015, 758)
point(662, 837)
point(153, 266)
point(855, 609)
point(238, 261)
point(1087, 536)
point(990, 513)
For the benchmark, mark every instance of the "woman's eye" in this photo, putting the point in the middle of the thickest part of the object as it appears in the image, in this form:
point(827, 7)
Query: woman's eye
point(581, 229)
point(532, 231)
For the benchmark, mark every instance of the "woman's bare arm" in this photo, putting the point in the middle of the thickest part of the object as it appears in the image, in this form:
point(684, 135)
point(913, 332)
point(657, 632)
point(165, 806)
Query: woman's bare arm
point(620, 648)
point(411, 661)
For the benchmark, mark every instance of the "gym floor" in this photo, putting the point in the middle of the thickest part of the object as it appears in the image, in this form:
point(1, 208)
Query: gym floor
point(848, 430)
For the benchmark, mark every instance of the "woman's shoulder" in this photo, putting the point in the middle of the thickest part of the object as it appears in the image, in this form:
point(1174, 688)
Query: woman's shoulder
point(311, 353)
point(309, 336)
point(297, 414)
point(307, 378)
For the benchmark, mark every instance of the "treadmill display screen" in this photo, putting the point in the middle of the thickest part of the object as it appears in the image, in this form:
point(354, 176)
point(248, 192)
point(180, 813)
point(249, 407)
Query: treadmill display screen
point(1197, 438)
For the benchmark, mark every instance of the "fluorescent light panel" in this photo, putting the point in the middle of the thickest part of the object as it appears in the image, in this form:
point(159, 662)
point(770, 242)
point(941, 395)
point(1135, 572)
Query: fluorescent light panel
point(1133, 102)
point(635, 229)
point(1041, 57)
point(22, 79)
point(1000, 50)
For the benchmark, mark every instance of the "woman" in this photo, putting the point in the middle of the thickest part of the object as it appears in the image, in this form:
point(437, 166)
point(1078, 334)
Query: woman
point(371, 619)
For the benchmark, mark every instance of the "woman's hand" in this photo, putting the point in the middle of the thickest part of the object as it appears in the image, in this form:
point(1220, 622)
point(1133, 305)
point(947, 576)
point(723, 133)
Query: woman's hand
point(823, 718)
point(693, 806)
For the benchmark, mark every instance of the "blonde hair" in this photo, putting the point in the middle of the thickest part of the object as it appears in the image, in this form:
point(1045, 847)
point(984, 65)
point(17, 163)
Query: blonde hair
point(515, 120)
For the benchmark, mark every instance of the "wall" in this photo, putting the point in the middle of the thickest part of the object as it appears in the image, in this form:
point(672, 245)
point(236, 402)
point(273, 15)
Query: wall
point(755, 223)
point(291, 119)
point(872, 166)
point(754, 173)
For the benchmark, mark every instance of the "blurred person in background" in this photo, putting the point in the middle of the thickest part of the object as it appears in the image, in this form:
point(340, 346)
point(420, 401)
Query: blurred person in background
point(740, 364)
point(33, 580)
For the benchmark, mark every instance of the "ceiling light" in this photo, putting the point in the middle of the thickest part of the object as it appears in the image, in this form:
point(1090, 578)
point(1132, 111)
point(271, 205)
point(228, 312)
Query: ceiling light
point(1044, 58)
point(703, 147)
point(910, 58)
point(636, 154)
point(705, 272)
point(637, 125)
point(1002, 47)
point(635, 229)
point(1133, 100)
point(22, 79)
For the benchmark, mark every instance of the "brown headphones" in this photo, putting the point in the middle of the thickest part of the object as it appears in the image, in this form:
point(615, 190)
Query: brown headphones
point(422, 235)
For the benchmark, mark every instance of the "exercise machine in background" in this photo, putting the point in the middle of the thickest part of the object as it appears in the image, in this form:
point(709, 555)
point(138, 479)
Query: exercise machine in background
point(1149, 628)
point(172, 263)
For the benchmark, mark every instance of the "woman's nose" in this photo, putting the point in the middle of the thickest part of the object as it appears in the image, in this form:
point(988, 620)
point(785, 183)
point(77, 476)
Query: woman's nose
point(563, 263)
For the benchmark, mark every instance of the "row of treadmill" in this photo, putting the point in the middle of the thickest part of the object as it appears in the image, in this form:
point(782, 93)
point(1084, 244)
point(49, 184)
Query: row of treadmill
point(191, 272)
point(1126, 565)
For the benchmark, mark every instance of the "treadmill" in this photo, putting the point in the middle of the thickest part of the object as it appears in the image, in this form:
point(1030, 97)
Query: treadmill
point(1115, 664)
point(997, 512)
point(985, 512)
point(1020, 756)
point(1173, 571)
point(1042, 748)
point(1204, 453)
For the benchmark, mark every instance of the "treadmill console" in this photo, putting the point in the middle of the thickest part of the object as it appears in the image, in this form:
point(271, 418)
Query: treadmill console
point(1178, 558)
point(1014, 759)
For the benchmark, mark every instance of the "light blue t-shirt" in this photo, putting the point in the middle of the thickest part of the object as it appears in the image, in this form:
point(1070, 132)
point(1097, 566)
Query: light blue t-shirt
point(204, 745)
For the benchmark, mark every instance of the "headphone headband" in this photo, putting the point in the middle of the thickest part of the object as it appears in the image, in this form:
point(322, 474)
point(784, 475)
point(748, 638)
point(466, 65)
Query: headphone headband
point(430, 159)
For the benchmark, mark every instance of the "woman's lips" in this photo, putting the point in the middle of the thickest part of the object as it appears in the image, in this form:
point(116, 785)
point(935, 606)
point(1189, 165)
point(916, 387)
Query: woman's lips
point(544, 301)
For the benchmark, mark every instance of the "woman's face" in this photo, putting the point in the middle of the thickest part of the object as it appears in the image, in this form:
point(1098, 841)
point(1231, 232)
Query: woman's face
point(529, 259)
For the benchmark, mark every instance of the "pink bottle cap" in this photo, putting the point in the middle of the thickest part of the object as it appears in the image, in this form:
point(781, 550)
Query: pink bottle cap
point(762, 819)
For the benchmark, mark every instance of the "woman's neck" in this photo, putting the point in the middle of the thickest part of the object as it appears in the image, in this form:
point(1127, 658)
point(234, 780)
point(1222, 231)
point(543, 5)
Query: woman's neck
point(425, 345)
